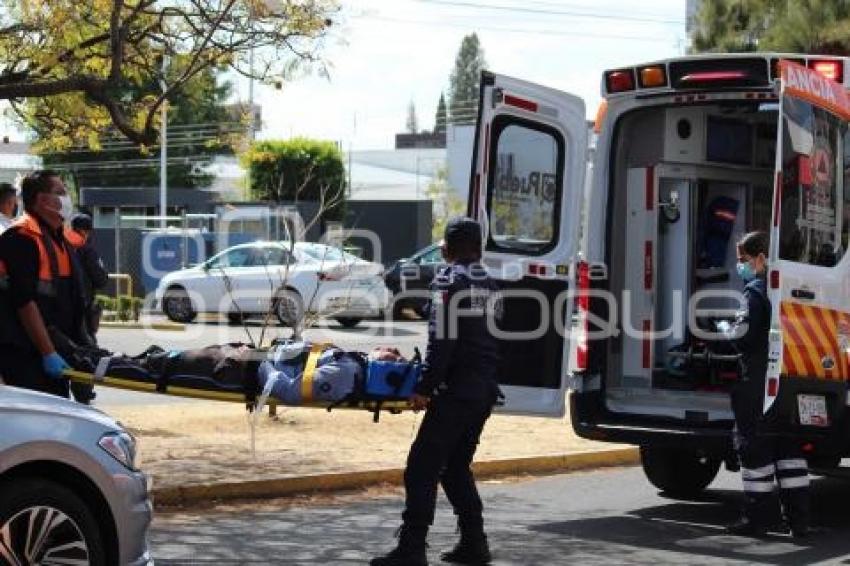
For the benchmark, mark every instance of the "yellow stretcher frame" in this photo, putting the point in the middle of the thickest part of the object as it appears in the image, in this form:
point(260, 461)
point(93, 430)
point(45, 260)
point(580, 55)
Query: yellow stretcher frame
point(192, 393)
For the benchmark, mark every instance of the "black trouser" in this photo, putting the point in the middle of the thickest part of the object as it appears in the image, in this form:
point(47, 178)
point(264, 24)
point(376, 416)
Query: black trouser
point(22, 368)
point(442, 453)
point(765, 461)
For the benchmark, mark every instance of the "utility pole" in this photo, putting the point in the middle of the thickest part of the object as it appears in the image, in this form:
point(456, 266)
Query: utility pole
point(163, 153)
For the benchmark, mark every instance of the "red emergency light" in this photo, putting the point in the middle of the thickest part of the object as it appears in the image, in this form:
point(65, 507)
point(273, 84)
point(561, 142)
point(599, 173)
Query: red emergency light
point(620, 81)
point(829, 68)
point(713, 76)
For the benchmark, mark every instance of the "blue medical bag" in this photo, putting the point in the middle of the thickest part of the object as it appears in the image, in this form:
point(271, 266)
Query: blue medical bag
point(392, 379)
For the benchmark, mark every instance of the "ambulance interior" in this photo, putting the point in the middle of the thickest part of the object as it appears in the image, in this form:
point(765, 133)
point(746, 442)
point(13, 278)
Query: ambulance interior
point(688, 182)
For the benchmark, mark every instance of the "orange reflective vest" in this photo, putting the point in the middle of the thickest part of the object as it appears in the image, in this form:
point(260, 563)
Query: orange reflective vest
point(54, 259)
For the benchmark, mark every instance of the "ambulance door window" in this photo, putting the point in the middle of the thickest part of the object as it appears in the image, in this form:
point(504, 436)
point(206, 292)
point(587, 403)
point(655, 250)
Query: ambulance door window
point(524, 196)
point(812, 218)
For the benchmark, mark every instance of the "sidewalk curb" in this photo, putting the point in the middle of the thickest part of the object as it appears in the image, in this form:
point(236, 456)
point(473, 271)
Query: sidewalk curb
point(141, 325)
point(263, 489)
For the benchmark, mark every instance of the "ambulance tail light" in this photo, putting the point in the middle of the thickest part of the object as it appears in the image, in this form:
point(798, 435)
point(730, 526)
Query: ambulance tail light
point(583, 305)
point(620, 81)
point(774, 279)
point(651, 77)
point(772, 387)
point(829, 68)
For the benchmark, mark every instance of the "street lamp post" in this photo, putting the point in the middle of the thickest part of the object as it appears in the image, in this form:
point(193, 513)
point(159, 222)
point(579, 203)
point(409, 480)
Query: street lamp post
point(163, 153)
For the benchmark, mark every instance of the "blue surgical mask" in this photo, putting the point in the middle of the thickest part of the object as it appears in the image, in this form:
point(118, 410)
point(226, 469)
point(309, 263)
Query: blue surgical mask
point(745, 271)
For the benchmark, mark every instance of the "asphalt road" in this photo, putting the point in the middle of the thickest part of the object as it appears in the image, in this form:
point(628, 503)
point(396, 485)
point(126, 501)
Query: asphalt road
point(602, 517)
point(405, 335)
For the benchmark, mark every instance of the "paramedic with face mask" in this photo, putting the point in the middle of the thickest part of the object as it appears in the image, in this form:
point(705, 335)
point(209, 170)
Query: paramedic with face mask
point(766, 459)
point(458, 389)
point(39, 287)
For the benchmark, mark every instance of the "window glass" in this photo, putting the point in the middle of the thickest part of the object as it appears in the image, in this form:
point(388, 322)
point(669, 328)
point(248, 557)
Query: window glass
point(272, 256)
point(524, 185)
point(321, 252)
point(432, 256)
point(240, 257)
point(812, 227)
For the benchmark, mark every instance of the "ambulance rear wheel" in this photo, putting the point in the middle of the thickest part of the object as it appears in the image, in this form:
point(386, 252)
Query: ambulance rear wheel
point(678, 472)
point(177, 305)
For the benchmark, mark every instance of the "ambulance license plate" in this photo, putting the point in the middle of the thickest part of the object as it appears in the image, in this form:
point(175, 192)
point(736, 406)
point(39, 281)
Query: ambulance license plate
point(812, 410)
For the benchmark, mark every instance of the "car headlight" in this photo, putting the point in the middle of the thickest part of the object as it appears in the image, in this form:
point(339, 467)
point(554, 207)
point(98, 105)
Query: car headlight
point(120, 446)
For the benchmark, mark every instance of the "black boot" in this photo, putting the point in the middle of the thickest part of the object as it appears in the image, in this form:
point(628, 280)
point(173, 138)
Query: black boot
point(472, 549)
point(410, 551)
point(746, 527)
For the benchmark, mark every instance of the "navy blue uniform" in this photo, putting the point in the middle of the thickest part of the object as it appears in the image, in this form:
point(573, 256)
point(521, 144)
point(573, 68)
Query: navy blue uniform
point(459, 374)
point(765, 458)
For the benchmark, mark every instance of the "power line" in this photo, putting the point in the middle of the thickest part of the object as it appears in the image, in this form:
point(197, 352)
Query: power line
point(540, 11)
point(565, 33)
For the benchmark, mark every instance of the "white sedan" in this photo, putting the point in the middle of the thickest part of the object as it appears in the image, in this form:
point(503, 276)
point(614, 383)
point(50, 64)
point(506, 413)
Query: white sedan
point(290, 281)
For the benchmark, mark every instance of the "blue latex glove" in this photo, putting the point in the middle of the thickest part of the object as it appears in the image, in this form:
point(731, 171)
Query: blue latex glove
point(54, 365)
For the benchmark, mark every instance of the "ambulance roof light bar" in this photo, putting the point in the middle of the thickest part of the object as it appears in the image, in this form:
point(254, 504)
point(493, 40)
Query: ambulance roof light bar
point(830, 68)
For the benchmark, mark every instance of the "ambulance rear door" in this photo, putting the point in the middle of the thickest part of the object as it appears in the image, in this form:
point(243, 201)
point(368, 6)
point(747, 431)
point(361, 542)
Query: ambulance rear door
point(526, 189)
point(808, 263)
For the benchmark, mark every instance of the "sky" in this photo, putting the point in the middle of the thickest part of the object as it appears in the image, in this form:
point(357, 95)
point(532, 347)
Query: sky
point(387, 53)
point(384, 54)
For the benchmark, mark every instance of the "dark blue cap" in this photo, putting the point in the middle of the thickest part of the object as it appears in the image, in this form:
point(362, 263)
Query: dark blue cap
point(462, 229)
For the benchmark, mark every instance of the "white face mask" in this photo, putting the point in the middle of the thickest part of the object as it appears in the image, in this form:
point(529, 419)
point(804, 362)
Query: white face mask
point(67, 207)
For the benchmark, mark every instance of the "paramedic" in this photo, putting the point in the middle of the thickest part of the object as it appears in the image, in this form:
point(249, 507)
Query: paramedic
point(765, 458)
point(94, 278)
point(458, 388)
point(8, 206)
point(38, 289)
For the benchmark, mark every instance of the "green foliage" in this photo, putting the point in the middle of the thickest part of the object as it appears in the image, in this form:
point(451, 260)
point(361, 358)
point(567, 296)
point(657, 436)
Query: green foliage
point(77, 68)
point(446, 203)
point(440, 118)
point(464, 81)
point(298, 170)
point(198, 129)
point(792, 26)
point(125, 308)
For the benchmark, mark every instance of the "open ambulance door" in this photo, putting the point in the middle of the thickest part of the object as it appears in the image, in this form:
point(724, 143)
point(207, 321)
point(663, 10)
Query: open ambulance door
point(810, 329)
point(526, 189)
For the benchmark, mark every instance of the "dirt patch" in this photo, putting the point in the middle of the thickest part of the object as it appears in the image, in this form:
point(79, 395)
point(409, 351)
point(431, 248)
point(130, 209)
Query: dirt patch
point(202, 443)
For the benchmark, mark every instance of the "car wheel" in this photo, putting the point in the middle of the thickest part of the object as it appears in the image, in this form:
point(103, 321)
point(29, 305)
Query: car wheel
point(177, 305)
point(236, 318)
point(289, 307)
point(678, 472)
point(42, 522)
point(348, 322)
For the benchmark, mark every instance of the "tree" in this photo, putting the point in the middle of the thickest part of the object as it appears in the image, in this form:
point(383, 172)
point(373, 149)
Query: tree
point(811, 26)
point(440, 118)
point(412, 123)
point(298, 170)
point(464, 81)
point(200, 126)
point(74, 68)
point(445, 201)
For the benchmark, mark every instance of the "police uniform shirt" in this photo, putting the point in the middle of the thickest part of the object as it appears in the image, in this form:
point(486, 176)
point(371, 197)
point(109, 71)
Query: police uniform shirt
point(462, 355)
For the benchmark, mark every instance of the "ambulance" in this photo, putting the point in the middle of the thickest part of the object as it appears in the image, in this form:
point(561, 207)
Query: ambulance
point(638, 236)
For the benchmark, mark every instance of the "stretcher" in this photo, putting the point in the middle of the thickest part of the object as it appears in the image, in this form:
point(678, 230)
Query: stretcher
point(374, 405)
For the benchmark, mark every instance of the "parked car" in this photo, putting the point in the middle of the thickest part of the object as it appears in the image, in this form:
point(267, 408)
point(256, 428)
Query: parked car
point(414, 274)
point(70, 492)
point(250, 279)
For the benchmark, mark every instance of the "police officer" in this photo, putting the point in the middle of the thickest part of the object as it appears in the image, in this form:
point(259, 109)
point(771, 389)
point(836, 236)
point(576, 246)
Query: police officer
point(458, 388)
point(38, 287)
point(765, 458)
